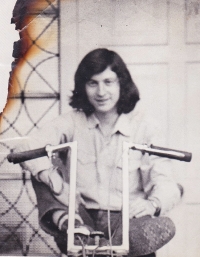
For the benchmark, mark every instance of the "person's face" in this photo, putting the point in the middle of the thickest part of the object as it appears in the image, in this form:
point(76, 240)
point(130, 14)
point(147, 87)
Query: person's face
point(103, 91)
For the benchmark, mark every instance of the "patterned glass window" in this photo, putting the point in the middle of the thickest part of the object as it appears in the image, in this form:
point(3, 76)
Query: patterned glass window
point(34, 98)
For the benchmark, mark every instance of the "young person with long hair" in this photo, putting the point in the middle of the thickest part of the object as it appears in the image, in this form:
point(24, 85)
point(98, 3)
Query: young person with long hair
point(106, 111)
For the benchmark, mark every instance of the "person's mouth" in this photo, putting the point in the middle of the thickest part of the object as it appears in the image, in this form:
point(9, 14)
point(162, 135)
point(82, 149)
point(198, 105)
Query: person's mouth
point(102, 101)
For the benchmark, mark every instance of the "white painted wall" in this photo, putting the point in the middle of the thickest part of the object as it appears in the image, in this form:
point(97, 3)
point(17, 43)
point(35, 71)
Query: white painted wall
point(160, 42)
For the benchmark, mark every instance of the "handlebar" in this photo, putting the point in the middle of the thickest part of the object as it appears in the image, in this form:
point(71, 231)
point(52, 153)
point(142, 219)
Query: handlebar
point(27, 155)
point(164, 152)
point(48, 150)
point(151, 150)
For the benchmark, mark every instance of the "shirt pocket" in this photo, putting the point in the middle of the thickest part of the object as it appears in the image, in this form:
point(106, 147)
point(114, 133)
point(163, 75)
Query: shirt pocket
point(118, 178)
point(134, 161)
point(134, 164)
point(86, 169)
point(85, 158)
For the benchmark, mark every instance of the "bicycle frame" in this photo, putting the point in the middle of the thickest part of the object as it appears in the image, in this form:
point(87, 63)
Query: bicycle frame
point(124, 247)
point(49, 150)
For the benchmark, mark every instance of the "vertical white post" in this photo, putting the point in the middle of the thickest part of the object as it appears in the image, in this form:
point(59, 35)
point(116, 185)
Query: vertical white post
point(72, 195)
point(125, 199)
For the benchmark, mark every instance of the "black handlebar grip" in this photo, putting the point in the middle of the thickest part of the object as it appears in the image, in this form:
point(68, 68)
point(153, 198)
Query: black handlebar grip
point(27, 155)
point(172, 154)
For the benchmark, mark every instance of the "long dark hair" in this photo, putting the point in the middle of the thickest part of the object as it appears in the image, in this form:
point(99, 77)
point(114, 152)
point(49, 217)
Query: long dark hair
point(96, 62)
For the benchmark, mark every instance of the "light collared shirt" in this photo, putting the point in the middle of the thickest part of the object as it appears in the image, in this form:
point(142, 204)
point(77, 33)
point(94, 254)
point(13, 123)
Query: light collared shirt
point(99, 164)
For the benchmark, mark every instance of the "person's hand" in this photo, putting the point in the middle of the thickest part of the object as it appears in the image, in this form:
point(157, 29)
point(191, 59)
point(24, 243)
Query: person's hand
point(58, 186)
point(140, 208)
point(53, 179)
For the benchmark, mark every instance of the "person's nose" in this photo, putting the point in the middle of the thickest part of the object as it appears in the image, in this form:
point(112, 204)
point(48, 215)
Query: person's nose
point(101, 89)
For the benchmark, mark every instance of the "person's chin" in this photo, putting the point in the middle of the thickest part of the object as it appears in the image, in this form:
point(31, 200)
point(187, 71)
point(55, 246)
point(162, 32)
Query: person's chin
point(102, 109)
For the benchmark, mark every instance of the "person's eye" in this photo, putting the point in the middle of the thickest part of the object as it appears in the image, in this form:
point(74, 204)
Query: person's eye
point(109, 82)
point(92, 83)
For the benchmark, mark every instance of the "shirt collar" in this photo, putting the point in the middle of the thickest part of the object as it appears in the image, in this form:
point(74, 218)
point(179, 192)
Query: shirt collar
point(122, 125)
point(127, 121)
point(92, 121)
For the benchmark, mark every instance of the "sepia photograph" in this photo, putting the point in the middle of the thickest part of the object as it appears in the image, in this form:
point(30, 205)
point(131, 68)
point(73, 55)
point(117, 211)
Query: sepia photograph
point(100, 128)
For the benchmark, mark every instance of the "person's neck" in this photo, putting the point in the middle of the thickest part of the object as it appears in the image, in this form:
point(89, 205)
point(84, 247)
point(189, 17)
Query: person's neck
point(107, 121)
